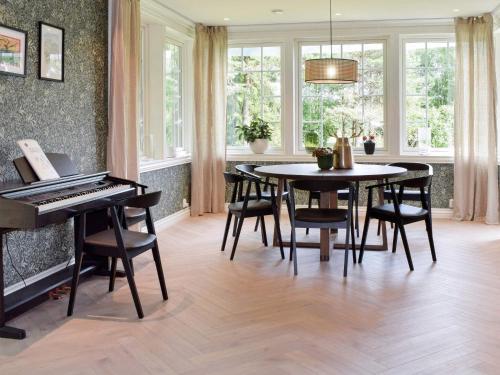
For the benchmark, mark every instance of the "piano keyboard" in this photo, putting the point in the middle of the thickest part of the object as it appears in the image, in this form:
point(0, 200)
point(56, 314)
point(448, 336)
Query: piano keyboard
point(81, 197)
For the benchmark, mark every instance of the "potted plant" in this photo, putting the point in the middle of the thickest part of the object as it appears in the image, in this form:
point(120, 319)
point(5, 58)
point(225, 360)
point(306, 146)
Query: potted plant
point(258, 134)
point(324, 157)
point(369, 144)
point(347, 127)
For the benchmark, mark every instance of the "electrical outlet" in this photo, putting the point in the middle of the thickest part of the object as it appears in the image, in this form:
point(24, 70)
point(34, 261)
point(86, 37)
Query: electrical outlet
point(450, 204)
point(185, 203)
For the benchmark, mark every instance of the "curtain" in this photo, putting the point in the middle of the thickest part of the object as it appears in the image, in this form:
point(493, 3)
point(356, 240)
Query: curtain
point(122, 153)
point(209, 143)
point(476, 171)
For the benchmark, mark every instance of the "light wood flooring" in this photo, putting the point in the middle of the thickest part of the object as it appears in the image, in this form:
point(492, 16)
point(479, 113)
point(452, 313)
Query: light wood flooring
point(252, 316)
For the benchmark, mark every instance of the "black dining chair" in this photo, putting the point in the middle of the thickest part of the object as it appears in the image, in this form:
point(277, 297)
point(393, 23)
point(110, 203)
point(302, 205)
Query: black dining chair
point(342, 195)
point(402, 214)
point(120, 243)
point(322, 218)
point(249, 170)
point(413, 195)
point(247, 207)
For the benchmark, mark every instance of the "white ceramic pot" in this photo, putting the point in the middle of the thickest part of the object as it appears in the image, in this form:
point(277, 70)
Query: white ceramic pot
point(259, 146)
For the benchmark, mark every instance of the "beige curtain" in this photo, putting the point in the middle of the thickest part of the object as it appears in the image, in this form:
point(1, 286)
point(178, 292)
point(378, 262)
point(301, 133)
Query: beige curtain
point(476, 171)
point(122, 154)
point(210, 64)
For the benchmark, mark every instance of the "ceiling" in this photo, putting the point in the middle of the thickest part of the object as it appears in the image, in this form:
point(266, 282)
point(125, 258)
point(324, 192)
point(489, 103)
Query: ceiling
point(250, 12)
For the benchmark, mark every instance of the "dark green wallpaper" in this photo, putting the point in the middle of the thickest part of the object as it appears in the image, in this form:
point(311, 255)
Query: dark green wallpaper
point(69, 117)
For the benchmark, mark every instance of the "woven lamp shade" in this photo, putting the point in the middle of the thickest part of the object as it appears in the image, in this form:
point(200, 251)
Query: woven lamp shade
point(331, 70)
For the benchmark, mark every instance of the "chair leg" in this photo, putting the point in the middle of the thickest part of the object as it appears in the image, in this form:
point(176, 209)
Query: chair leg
point(353, 240)
point(132, 267)
point(405, 244)
point(346, 249)
point(226, 231)
point(159, 271)
point(112, 276)
point(395, 239)
point(278, 231)
point(293, 251)
point(235, 225)
point(428, 224)
point(356, 213)
point(74, 282)
point(309, 205)
point(256, 224)
point(133, 287)
point(379, 228)
point(291, 247)
point(263, 230)
point(238, 231)
point(363, 239)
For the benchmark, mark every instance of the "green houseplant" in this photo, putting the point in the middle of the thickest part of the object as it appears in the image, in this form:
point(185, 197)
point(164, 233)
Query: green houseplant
point(324, 157)
point(258, 134)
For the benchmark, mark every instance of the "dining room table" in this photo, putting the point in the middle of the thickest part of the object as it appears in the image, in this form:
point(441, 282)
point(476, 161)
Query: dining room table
point(311, 171)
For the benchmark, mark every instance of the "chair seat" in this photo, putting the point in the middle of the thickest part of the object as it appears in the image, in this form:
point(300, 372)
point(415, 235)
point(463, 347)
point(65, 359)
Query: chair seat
point(135, 213)
point(132, 240)
point(253, 205)
point(407, 211)
point(408, 195)
point(320, 215)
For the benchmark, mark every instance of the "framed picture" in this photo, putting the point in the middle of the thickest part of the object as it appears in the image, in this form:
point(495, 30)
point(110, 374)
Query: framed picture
point(12, 51)
point(51, 66)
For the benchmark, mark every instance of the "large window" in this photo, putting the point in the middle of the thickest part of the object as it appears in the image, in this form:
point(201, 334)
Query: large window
point(325, 109)
point(254, 89)
point(428, 85)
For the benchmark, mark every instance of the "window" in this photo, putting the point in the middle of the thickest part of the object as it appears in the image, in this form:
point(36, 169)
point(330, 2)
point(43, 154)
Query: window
point(254, 90)
point(428, 86)
point(173, 98)
point(323, 108)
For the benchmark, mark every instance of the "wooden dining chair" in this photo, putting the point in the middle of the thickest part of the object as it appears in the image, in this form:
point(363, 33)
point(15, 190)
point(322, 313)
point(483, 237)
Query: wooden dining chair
point(120, 243)
point(322, 218)
point(247, 207)
point(401, 214)
point(342, 195)
point(249, 170)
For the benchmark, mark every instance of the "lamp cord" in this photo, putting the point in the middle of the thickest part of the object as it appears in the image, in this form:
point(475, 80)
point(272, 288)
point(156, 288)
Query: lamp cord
point(331, 32)
point(11, 260)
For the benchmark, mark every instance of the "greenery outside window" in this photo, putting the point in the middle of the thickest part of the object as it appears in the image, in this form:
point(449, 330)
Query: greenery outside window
point(254, 90)
point(428, 99)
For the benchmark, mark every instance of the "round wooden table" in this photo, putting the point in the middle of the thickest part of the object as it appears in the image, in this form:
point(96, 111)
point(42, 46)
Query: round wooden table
point(310, 171)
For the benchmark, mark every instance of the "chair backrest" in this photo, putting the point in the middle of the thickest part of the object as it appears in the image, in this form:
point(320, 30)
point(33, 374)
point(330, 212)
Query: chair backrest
point(237, 181)
point(413, 166)
point(247, 169)
point(142, 201)
point(321, 186)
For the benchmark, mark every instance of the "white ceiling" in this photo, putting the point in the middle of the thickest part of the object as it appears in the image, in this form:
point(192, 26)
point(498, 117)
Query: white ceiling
point(250, 12)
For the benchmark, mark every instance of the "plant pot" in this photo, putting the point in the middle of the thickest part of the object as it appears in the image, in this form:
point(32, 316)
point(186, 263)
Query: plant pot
point(369, 146)
point(343, 154)
point(325, 162)
point(259, 146)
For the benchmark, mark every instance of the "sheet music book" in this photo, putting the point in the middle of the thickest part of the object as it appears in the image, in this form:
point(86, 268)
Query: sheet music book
point(37, 159)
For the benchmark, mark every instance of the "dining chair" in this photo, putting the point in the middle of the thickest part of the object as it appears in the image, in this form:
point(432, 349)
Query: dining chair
point(246, 208)
point(401, 214)
point(342, 195)
point(120, 243)
point(249, 170)
point(322, 218)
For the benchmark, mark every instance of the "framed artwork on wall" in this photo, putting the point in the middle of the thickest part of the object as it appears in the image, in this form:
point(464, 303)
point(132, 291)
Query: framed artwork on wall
point(51, 52)
point(13, 44)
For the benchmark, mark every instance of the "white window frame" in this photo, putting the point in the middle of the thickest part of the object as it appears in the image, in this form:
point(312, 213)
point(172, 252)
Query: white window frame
point(244, 149)
point(298, 149)
point(418, 38)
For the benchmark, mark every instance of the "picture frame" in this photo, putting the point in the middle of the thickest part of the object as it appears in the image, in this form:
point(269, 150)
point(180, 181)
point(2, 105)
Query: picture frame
point(51, 52)
point(13, 51)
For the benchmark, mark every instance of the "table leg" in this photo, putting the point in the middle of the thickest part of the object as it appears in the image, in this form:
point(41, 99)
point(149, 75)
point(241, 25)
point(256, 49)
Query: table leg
point(384, 227)
point(279, 202)
point(327, 200)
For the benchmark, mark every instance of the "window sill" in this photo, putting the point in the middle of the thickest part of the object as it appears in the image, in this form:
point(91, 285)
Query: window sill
point(380, 157)
point(154, 165)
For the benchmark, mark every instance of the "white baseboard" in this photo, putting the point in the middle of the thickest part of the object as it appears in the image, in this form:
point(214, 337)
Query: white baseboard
point(159, 225)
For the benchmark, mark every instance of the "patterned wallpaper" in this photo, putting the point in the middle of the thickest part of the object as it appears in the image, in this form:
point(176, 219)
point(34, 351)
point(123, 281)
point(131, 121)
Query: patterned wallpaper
point(69, 117)
point(442, 184)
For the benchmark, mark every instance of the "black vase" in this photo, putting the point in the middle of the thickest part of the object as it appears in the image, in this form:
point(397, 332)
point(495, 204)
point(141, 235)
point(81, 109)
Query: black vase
point(369, 147)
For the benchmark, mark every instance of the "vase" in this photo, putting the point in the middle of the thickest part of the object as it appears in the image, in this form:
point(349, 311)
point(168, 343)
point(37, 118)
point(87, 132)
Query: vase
point(369, 146)
point(343, 154)
point(259, 146)
point(325, 162)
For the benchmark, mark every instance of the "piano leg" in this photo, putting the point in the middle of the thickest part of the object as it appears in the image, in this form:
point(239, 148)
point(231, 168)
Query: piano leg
point(5, 331)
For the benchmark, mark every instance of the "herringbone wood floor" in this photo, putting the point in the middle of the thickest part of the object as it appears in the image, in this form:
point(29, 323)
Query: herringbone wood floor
point(251, 316)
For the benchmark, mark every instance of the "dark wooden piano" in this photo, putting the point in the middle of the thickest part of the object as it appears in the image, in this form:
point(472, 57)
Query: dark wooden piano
point(34, 204)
